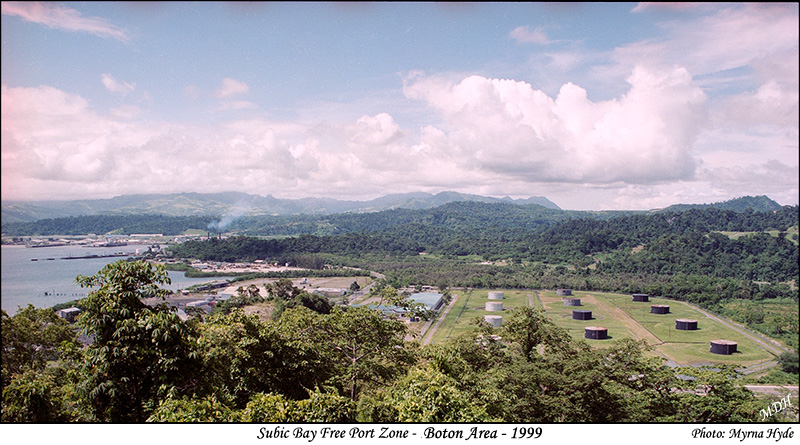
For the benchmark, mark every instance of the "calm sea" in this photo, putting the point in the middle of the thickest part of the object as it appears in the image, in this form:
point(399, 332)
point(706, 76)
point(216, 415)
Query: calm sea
point(45, 283)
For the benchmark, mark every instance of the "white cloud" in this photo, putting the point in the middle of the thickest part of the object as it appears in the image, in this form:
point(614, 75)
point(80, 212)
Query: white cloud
point(732, 37)
point(115, 86)
point(230, 88)
point(771, 104)
point(523, 34)
point(669, 6)
point(375, 130)
point(63, 18)
point(493, 136)
point(509, 128)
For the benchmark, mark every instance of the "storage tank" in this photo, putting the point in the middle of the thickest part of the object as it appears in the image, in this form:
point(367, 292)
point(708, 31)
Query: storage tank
point(659, 309)
point(724, 347)
point(684, 324)
point(496, 296)
point(581, 315)
point(641, 297)
point(493, 320)
point(564, 292)
point(494, 306)
point(571, 301)
point(595, 333)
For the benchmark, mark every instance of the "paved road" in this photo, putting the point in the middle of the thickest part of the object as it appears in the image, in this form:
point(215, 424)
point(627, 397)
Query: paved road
point(774, 389)
point(439, 320)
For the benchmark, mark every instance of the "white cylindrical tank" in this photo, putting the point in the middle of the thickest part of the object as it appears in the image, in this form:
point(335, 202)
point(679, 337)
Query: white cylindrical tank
point(494, 306)
point(494, 320)
point(496, 296)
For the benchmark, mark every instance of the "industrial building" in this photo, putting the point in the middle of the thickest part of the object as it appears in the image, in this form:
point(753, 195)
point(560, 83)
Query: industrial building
point(69, 314)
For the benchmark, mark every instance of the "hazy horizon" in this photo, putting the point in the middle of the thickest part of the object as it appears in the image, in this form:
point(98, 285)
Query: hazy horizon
point(390, 194)
point(594, 106)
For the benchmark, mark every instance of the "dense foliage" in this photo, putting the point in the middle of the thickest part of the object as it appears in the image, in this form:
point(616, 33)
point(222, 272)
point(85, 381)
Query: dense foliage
point(105, 224)
point(314, 362)
point(681, 255)
point(661, 244)
point(352, 364)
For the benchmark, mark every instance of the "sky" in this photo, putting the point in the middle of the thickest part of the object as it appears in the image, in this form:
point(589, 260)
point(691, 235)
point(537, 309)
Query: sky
point(596, 106)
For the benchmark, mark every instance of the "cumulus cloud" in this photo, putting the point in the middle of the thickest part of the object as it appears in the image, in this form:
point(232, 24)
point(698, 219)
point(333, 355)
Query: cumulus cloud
point(115, 86)
point(63, 18)
point(230, 88)
point(56, 146)
point(375, 130)
point(508, 127)
point(771, 104)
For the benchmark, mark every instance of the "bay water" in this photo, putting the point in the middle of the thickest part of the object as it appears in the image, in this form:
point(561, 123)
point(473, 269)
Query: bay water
point(50, 280)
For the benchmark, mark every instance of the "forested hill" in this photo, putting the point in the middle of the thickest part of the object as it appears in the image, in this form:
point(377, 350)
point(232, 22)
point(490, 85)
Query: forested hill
point(457, 216)
point(238, 204)
point(470, 219)
point(755, 203)
point(691, 242)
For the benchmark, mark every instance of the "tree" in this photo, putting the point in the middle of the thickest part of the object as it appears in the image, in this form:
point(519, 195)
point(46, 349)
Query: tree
point(139, 352)
point(789, 362)
point(313, 301)
point(426, 395)
point(242, 356)
point(352, 347)
point(205, 409)
point(30, 338)
point(30, 397)
point(320, 406)
point(721, 399)
point(529, 329)
point(283, 290)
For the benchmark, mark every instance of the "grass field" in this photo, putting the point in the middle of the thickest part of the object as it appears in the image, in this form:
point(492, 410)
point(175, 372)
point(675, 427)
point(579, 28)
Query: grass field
point(791, 234)
point(622, 317)
point(470, 305)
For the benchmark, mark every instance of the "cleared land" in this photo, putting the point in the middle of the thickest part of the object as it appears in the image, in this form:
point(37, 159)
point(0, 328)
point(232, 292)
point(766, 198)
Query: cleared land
point(624, 319)
point(471, 307)
point(791, 234)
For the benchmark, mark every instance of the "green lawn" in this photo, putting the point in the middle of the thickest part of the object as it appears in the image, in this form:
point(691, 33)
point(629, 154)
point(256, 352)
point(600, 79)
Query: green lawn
point(604, 314)
point(622, 317)
point(686, 347)
point(791, 234)
point(471, 306)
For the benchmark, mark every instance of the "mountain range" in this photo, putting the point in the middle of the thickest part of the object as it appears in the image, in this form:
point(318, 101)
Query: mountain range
point(238, 204)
